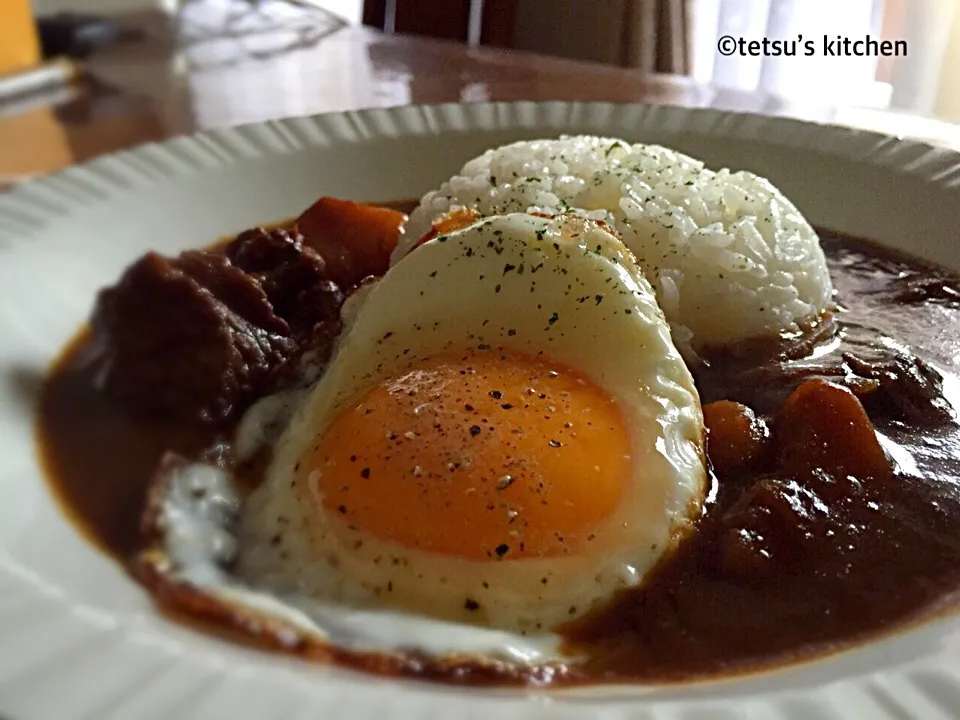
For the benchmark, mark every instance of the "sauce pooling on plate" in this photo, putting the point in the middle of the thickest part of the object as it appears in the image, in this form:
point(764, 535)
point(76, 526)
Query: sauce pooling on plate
point(787, 561)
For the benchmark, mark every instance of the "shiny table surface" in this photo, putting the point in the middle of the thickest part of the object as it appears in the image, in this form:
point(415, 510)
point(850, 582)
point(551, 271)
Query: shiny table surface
point(188, 73)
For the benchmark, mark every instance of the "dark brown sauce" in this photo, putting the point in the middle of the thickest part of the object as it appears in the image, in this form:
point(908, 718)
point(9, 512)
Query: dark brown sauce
point(852, 563)
point(100, 460)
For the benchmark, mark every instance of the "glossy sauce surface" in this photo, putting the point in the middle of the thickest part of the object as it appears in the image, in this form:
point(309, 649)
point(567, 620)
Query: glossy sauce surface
point(781, 567)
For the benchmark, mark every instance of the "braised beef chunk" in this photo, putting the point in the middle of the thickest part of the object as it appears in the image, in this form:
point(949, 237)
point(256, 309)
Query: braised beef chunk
point(770, 523)
point(293, 276)
point(908, 384)
point(200, 336)
point(262, 251)
point(191, 337)
point(920, 288)
point(231, 286)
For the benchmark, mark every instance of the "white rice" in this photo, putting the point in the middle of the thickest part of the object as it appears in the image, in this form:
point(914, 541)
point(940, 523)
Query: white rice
point(729, 256)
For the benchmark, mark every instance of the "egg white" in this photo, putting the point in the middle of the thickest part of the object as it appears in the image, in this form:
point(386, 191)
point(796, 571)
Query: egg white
point(189, 521)
point(456, 292)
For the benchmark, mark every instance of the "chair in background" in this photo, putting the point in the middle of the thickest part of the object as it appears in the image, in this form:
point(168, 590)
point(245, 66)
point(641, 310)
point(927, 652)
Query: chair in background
point(477, 22)
point(650, 35)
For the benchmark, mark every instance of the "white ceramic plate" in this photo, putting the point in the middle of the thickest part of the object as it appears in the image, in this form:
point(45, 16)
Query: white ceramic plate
point(78, 639)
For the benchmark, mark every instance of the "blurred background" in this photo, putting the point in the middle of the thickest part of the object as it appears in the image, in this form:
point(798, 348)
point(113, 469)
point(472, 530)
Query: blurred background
point(676, 36)
point(158, 67)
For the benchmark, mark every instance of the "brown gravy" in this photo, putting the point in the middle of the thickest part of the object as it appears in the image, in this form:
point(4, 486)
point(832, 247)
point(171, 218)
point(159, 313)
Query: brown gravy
point(845, 563)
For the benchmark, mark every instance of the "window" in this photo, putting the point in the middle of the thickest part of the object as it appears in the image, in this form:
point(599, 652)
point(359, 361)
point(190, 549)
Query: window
point(910, 82)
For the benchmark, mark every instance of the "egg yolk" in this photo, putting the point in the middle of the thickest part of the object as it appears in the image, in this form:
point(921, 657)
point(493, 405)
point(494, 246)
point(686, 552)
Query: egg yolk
point(488, 454)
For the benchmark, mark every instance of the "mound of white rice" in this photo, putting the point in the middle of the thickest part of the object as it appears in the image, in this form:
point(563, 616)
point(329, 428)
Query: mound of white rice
point(729, 256)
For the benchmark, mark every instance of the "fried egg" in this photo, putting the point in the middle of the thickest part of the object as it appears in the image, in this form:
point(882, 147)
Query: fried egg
point(506, 436)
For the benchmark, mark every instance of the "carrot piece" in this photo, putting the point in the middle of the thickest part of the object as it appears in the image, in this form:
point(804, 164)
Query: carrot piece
point(736, 437)
point(450, 222)
point(355, 240)
point(823, 428)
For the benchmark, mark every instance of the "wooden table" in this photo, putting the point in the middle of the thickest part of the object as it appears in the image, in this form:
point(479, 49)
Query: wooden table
point(193, 75)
